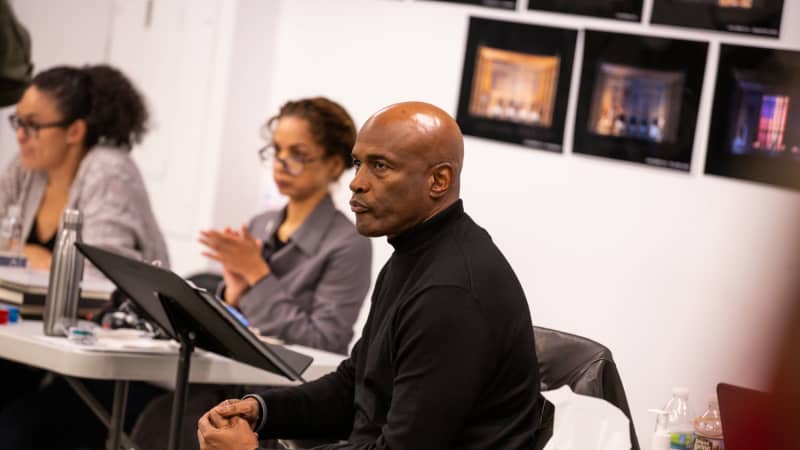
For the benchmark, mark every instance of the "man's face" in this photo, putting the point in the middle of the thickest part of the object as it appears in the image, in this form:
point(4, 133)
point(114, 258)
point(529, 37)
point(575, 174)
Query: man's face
point(390, 187)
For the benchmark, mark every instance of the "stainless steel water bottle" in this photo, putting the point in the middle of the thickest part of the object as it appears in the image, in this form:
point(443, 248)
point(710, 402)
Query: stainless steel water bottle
point(66, 273)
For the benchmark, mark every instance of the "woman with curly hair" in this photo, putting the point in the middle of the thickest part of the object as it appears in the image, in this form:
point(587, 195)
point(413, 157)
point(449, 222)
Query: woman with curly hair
point(75, 128)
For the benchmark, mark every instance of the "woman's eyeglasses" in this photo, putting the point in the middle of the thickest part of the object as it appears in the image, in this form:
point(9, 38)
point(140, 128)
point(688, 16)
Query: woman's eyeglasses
point(31, 129)
point(293, 163)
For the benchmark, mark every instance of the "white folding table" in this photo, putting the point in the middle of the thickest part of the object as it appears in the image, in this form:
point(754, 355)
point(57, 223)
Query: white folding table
point(25, 343)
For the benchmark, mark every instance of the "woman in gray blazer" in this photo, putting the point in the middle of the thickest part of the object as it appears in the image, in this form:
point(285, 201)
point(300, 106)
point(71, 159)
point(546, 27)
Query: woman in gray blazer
point(300, 273)
point(75, 127)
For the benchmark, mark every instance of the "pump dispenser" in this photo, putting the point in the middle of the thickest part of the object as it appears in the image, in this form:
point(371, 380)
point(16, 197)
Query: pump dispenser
point(661, 437)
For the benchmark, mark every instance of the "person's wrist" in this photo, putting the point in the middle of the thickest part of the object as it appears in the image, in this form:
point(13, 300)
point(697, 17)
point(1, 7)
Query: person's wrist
point(254, 275)
point(260, 409)
point(232, 296)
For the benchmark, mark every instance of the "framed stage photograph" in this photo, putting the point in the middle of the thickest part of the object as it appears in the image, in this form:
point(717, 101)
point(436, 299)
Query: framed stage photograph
point(755, 123)
point(515, 83)
point(502, 4)
point(639, 98)
point(759, 17)
point(630, 10)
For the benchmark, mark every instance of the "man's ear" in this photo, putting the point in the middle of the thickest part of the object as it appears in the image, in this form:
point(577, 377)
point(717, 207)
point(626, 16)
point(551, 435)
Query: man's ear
point(441, 179)
point(76, 132)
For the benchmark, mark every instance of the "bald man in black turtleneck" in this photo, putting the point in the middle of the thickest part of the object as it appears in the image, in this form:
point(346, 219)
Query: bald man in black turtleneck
point(446, 359)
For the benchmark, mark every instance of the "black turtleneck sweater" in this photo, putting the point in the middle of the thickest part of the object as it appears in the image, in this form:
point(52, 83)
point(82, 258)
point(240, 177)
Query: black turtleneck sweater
point(446, 359)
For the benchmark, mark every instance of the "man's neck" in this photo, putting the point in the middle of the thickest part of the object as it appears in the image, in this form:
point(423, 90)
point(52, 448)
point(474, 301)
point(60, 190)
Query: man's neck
point(441, 206)
point(435, 211)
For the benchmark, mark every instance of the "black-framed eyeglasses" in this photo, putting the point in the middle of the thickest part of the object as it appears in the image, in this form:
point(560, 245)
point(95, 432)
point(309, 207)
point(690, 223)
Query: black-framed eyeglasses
point(294, 163)
point(31, 129)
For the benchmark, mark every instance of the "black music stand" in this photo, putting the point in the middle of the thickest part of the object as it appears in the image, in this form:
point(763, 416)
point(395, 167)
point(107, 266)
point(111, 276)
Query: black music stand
point(194, 318)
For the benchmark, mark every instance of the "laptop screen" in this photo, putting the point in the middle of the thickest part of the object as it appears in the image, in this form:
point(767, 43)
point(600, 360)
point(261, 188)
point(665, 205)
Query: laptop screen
point(747, 422)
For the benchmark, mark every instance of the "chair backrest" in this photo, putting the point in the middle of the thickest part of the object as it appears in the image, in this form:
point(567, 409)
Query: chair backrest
point(206, 280)
point(587, 367)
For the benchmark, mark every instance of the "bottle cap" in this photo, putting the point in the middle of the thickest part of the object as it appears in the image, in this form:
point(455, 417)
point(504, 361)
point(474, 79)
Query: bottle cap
point(680, 391)
point(71, 217)
point(13, 314)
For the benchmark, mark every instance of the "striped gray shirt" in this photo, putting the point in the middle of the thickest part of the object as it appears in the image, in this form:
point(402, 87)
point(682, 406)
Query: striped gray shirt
point(109, 192)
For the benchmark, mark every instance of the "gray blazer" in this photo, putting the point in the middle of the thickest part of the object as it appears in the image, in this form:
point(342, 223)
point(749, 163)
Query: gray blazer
point(318, 282)
point(110, 194)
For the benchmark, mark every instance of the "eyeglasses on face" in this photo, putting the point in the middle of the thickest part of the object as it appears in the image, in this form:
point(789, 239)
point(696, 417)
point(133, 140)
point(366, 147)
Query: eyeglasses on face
point(293, 163)
point(31, 129)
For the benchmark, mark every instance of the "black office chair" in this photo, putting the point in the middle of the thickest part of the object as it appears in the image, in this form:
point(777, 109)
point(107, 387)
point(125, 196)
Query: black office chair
point(206, 280)
point(582, 364)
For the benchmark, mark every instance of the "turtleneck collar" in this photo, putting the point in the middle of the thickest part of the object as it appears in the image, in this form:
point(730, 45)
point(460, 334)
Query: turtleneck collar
point(425, 231)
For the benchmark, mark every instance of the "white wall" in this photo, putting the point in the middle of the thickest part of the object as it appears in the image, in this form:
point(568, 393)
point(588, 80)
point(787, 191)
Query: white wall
point(58, 41)
point(179, 53)
point(179, 56)
point(679, 274)
point(246, 110)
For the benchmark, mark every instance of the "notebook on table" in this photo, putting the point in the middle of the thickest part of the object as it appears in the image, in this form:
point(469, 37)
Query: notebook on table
point(26, 289)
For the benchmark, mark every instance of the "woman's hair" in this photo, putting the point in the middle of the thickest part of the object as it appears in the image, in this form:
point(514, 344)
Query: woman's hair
point(330, 125)
point(114, 111)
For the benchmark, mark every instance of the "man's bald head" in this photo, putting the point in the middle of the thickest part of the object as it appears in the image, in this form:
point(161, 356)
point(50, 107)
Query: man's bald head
point(413, 153)
point(422, 129)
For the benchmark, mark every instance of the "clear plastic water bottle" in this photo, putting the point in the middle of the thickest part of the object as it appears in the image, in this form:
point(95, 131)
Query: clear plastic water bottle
point(66, 273)
point(11, 231)
point(679, 425)
point(708, 428)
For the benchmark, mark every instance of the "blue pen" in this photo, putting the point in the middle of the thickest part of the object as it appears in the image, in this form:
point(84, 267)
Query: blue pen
point(238, 315)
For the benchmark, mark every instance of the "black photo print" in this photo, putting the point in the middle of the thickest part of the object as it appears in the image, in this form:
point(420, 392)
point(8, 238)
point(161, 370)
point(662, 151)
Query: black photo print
point(639, 98)
point(755, 123)
point(515, 82)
